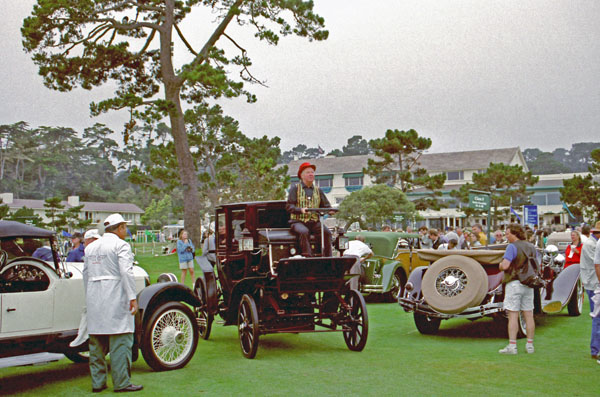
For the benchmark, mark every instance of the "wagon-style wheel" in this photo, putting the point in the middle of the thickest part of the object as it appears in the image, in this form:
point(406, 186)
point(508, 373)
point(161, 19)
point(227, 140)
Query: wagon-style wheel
point(248, 326)
point(358, 324)
point(575, 305)
point(203, 317)
point(170, 337)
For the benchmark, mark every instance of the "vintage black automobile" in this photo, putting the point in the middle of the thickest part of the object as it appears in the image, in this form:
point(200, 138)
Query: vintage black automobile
point(42, 299)
point(468, 284)
point(263, 286)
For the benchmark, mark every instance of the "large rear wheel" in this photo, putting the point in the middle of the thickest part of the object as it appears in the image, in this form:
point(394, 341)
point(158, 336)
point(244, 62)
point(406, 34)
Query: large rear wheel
point(248, 330)
point(358, 326)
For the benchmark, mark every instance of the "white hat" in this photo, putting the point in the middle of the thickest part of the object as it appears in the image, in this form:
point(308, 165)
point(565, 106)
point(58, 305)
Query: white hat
point(92, 233)
point(114, 219)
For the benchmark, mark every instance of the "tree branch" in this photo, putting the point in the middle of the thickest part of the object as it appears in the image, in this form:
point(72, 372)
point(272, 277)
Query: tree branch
point(251, 78)
point(189, 47)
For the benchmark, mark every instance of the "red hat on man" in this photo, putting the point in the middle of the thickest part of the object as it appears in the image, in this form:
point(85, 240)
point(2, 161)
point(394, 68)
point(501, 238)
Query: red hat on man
point(304, 166)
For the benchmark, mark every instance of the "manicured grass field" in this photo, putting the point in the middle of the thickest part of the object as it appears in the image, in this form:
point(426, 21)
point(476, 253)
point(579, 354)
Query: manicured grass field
point(461, 360)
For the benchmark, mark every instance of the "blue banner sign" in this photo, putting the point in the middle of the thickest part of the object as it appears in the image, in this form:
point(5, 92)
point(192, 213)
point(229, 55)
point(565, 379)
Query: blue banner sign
point(530, 213)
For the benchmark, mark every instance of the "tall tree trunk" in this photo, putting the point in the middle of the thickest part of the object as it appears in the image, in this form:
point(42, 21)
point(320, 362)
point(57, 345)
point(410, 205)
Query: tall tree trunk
point(185, 161)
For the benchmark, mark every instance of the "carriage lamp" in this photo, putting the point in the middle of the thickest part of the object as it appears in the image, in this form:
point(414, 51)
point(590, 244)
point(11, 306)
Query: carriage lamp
point(343, 243)
point(246, 241)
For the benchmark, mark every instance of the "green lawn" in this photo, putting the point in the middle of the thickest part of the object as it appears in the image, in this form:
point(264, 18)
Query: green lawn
point(461, 360)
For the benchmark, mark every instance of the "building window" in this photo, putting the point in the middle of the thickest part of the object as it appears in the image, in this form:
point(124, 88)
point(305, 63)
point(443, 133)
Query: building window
point(554, 199)
point(324, 183)
point(455, 175)
point(338, 200)
point(538, 199)
point(354, 181)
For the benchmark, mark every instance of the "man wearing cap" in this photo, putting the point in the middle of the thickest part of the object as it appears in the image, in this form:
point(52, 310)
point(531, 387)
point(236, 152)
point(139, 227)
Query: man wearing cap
point(90, 236)
point(77, 253)
point(111, 305)
point(305, 195)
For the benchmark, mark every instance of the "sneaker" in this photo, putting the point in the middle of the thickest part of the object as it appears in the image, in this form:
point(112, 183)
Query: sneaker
point(529, 348)
point(509, 349)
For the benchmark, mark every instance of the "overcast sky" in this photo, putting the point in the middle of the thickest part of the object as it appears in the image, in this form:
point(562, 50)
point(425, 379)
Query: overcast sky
point(467, 74)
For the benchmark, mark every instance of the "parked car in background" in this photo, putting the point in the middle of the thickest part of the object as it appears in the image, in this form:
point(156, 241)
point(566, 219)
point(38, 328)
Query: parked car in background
point(468, 284)
point(42, 299)
point(394, 258)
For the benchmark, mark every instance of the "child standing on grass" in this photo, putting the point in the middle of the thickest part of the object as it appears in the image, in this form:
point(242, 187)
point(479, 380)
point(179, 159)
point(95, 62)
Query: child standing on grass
point(185, 253)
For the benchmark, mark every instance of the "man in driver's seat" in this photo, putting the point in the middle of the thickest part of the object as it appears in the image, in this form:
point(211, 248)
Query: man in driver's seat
point(305, 195)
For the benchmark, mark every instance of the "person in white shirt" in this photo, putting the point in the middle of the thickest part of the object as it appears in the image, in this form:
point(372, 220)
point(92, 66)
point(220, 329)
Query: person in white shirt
point(362, 252)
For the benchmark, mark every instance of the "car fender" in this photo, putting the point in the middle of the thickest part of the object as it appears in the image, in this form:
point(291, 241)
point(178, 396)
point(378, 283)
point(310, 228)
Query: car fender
point(156, 294)
point(387, 273)
point(416, 278)
point(563, 285)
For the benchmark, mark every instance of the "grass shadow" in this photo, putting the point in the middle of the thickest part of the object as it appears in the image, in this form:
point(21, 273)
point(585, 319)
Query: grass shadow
point(26, 382)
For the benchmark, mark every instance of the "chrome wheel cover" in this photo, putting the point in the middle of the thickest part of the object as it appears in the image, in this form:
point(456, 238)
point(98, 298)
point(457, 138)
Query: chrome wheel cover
point(451, 282)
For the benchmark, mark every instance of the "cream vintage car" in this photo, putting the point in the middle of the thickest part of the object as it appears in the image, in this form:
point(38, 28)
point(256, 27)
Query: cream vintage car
point(42, 300)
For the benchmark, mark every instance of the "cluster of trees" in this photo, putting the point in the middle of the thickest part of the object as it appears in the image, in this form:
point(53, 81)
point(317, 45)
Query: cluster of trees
point(577, 159)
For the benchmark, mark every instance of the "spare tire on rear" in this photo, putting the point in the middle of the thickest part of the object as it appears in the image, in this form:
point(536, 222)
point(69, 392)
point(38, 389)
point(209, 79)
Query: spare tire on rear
point(453, 283)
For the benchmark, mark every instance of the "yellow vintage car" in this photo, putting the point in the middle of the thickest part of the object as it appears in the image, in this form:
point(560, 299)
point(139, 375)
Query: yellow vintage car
point(394, 258)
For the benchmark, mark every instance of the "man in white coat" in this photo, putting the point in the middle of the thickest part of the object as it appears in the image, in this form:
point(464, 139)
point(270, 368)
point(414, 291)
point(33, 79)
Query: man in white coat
point(111, 305)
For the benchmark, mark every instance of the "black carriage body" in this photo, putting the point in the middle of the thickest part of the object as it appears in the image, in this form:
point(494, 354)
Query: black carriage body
point(290, 293)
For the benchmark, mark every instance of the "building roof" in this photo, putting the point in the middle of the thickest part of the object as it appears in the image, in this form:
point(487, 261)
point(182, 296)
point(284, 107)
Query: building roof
point(88, 206)
point(432, 162)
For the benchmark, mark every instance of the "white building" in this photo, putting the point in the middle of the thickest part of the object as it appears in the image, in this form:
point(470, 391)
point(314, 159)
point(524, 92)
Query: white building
point(340, 176)
point(95, 211)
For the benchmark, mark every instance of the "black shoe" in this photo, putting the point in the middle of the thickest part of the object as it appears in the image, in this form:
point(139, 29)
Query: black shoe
point(98, 390)
point(131, 387)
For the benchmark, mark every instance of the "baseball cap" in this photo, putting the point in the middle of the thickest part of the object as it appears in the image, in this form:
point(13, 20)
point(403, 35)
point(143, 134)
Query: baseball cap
point(92, 233)
point(114, 219)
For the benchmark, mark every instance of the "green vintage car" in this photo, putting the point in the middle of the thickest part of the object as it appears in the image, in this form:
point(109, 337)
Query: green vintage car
point(394, 258)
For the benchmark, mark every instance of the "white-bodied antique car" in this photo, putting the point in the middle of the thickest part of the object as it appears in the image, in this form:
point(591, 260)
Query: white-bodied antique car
point(42, 300)
point(468, 284)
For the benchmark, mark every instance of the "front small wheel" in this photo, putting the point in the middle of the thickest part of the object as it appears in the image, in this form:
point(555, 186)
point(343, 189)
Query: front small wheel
point(358, 325)
point(397, 289)
point(204, 318)
point(248, 326)
point(170, 337)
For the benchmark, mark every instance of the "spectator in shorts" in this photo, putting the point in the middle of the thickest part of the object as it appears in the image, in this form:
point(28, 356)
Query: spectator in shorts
point(517, 297)
point(185, 252)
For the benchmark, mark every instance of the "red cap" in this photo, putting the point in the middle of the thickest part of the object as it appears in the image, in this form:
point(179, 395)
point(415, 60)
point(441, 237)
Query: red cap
point(303, 166)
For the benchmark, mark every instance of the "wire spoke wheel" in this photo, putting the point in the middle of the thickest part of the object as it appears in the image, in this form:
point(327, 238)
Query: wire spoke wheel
point(357, 322)
point(171, 337)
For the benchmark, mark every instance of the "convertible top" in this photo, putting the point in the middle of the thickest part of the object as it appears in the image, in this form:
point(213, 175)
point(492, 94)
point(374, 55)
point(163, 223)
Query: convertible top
point(17, 229)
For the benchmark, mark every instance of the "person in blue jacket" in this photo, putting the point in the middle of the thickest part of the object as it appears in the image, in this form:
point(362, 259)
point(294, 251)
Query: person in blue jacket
point(185, 252)
point(78, 251)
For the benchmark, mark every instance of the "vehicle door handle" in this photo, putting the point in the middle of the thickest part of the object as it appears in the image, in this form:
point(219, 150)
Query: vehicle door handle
point(11, 309)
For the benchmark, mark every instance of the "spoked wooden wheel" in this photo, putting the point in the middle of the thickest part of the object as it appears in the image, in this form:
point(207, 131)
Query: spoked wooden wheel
point(248, 326)
point(204, 318)
point(358, 326)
